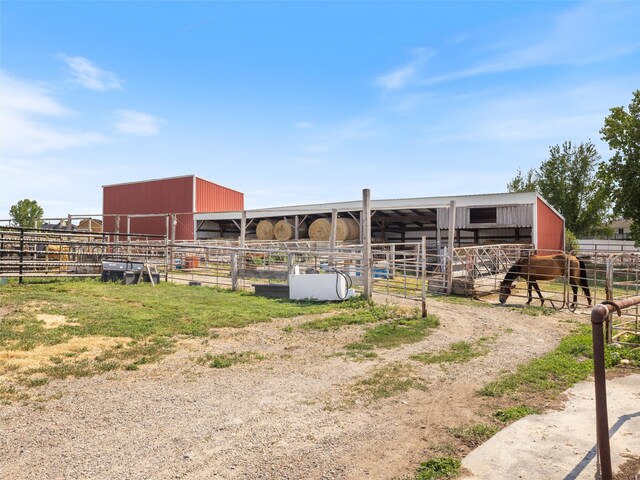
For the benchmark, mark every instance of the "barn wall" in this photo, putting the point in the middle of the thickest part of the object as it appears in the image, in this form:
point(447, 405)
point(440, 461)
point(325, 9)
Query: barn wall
point(154, 225)
point(550, 228)
point(512, 215)
point(211, 197)
point(166, 196)
point(170, 195)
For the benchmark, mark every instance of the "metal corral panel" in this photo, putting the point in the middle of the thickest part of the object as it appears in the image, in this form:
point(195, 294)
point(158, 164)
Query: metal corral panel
point(550, 228)
point(513, 215)
point(211, 197)
point(154, 225)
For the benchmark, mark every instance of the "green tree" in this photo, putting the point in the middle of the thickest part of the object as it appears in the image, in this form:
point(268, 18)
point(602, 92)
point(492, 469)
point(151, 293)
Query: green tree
point(569, 181)
point(622, 132)
point(527, 183)
point(26, 213)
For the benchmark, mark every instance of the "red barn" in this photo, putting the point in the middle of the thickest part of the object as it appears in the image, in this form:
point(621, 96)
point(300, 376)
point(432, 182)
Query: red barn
point(142, 207)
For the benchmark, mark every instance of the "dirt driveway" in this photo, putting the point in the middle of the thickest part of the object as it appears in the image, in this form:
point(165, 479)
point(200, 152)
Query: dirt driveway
point(293, 415)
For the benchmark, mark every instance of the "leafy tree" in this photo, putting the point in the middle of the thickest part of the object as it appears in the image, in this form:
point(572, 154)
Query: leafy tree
point(569, 181)
point(26, 213)
point(570, 241)
point(622, 132)
point(520, 183)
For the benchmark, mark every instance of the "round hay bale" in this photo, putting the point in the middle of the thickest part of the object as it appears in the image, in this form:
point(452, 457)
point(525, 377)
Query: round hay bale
point(354, 229)
point(264, 229)
point(285, 231)
point(320, 230)
point(342, 230)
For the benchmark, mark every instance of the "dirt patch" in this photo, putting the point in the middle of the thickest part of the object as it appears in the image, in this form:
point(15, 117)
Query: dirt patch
point(630, 470)
point(53, 321)
point(282, 418)
point(85, 347)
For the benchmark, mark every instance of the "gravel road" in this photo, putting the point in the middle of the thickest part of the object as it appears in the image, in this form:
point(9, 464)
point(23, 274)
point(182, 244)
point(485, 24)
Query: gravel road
point(286, 417)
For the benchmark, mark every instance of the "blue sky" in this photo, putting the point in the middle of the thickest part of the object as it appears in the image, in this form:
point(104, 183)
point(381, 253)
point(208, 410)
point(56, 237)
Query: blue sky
point(301, 102)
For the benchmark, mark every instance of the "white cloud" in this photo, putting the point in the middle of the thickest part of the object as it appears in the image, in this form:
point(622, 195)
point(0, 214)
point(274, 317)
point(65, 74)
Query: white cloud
point(29, 98)
point(137, 123)
point(586, 34)
point(24, 109)
point(402, 76)
point(61, 186)
point(303, 125)
point(87, 75)
point(353, 130)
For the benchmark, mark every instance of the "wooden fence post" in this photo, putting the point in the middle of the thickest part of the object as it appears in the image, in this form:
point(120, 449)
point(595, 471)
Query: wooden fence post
point(366, 243)
point(21, 254)
point(234, 271)
point(332, 236)
point(423, 269)
point(450, 244)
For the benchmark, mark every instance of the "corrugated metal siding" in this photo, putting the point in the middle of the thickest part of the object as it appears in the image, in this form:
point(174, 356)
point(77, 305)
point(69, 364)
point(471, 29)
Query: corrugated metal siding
point(216, 198)
point(172, 195)
point(152, 226)
point(550, 228)
point(513, 215)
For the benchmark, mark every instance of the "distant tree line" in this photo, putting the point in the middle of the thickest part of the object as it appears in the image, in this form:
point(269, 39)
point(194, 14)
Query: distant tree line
point(586, 190)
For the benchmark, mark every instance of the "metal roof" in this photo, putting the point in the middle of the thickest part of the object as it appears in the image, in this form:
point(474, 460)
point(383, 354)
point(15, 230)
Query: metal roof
point(420, 203)
point(170, 178)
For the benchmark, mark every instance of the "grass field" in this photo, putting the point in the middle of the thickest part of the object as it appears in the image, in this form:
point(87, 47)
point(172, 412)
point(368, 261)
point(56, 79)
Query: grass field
point(54, 330)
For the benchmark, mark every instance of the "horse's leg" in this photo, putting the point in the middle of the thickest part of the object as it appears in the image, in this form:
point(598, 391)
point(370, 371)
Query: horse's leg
point(574, 288)
point(529, 298)
point(535, 284)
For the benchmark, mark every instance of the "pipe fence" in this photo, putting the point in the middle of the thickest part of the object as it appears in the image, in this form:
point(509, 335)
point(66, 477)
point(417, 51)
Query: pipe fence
point(27, 253)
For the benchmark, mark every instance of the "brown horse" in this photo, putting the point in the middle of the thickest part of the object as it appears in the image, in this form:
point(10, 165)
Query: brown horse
point(547, 267)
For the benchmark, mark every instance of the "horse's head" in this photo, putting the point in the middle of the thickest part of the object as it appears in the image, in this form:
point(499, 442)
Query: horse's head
point(507, 283)
point(505, 291)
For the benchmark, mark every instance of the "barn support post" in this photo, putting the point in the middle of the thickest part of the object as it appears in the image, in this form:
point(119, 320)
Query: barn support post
point(117, 229)
point(243, 238)
point(450, 243)
point(291, 257)
point(166, 250)
point(243, 229)
point(366, 243)
point(332, 236)
point(296, 224)
point(234, 271)
point(174, 223)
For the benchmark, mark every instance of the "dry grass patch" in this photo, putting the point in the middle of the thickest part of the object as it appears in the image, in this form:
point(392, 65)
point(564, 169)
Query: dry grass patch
point(53, 321)
point(388, 381)
point(79, 347)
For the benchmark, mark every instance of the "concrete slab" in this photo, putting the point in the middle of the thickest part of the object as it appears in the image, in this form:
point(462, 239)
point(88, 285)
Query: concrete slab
point(561, 445)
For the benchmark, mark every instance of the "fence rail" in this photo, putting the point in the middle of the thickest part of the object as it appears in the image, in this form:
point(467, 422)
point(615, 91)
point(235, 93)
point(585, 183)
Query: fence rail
point(28, 253)
point(408, 270)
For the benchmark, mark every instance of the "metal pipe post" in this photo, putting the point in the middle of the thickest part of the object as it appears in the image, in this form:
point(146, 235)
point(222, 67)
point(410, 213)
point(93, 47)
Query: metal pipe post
point(598, 315)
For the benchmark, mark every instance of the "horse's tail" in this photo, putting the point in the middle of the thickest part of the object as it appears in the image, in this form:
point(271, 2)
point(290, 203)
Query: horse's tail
point(583, 280)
